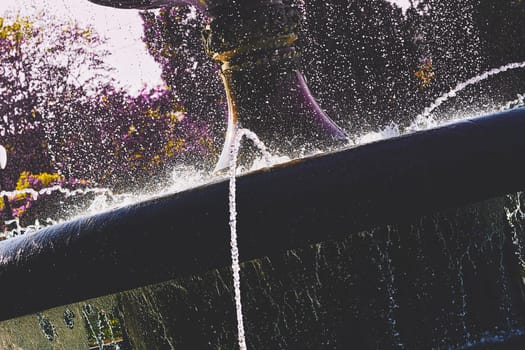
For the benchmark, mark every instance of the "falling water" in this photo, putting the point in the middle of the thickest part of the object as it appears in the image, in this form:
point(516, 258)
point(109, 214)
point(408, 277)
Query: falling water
point(234, 151)
point(388, 278)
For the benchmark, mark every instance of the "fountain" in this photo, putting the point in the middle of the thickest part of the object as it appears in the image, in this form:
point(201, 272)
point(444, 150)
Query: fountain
point(414, 242)
point(441, 259)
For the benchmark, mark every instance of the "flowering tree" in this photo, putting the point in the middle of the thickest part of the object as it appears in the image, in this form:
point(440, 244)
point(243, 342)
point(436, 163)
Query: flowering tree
point(173, 37)
point(17, 104)
point(65, 123)
point(135, 136)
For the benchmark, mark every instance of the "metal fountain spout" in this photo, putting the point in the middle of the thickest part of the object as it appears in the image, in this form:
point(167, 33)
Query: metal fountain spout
point(254, 42)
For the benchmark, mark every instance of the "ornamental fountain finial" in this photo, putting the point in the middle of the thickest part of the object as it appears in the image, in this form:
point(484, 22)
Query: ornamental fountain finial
point(254, 40)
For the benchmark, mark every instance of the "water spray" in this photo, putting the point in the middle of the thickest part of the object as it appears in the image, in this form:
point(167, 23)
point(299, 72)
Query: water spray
point(35, 195)
point(461, 86)
point(234, 152)
point(254, 41)
point(425, 120)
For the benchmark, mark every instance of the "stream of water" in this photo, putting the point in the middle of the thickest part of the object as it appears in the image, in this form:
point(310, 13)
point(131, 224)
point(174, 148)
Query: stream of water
point(234, 152)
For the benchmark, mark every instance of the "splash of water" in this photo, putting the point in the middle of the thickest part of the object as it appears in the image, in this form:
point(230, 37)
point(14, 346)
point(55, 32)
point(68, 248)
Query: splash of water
point(99, 193)
point(425, 120)
point(461, 86)
point(56, 188)
point(18, 230)
point(103, 199)
point(518, 102)
point(392, 130)
point(234, 152)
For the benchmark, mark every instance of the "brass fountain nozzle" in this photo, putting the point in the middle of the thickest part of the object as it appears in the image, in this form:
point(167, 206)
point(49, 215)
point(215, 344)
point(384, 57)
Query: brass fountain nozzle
point(255, 43)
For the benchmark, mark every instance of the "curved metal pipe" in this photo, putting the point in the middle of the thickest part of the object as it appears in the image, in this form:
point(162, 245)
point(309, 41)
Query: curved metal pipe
point(284, 207)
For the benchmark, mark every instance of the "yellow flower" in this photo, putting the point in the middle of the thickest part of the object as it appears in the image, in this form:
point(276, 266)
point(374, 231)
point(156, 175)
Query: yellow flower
point(20, 28)
point(23, 181)
point(132, 130)
point(45, 179)
point(425, 74)
point(153, 113)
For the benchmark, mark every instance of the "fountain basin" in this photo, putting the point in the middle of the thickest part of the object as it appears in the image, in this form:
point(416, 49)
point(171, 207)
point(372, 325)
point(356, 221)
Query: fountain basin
point(292, 206)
